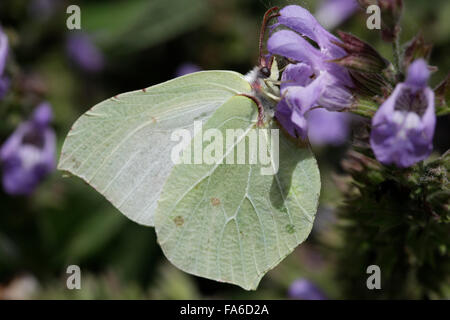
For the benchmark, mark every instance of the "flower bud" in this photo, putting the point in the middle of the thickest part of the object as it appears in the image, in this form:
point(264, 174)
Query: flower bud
point(366, 66)
point(416, 49)
point(391, 12)
point(361, 56)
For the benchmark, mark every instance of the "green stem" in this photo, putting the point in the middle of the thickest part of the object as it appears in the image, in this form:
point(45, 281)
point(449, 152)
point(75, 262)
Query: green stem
point(397, 56)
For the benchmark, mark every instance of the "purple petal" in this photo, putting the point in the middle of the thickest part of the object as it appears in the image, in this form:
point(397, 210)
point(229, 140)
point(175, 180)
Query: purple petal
point(332, 13)
point(47, 161)
point(294, 124)
point(186, 68)
point(82, 51)
point(336, 97)
point(304, 98)
point(14, 141)
point(16, 180)
point(43, 114)
point(325, 127)
point(302, 21)
point(402, 136)
point(4, 48)
point(299, 120)
point(429, 117)
point(418, 74)
point(289, 44)
point(298, 74)
point(400, 141)
point(299, 100)
point(28, 155)
point(305, 290)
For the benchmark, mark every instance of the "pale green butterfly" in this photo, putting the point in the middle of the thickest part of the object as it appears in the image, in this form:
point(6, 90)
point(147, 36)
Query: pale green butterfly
point(223, 222)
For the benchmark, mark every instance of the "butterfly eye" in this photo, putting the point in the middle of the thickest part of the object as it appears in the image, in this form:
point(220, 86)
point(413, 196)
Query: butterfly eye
point(265, 72)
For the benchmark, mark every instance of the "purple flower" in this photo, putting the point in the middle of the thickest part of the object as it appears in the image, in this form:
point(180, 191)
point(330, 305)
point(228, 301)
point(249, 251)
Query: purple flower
point(403, 127)
point(327, 127)
point(332, 13)
point(28, 155)
point(83, 52)
point(4, 49)
point(186, 68)
point(305, 290)
point(313, 81)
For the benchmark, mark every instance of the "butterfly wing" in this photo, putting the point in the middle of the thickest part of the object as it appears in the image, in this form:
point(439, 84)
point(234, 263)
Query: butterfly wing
point(122, 146)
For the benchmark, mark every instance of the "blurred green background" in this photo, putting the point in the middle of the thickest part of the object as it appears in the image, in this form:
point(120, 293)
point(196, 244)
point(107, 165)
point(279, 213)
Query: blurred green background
point(66, 222)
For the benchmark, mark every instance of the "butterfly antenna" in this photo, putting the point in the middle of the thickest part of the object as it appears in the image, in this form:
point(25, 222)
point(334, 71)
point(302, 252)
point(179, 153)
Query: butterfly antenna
point(258, 103)
point(268, 16)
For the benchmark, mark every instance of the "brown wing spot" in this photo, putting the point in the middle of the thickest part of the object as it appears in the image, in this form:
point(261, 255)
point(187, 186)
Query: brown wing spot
point(215, 202)
point(76, 163)
point(178, 220)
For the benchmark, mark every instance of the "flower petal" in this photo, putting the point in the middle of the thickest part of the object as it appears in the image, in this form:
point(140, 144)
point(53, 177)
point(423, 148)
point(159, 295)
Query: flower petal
point(326, 127)
point(429, 117)
point(4, 48)
point(18, 181)
point(28, 155)
point(336, 97)
point(289, 44)
point(401, 136)
point(298, 74)
point(14, 141)
point(305, 290)
point(302, 21)
point(291, 120)
point(43, 114)
point(304, 98)
point(418, 74)
point(283, 114)
point(332, 13)
point(84, 53)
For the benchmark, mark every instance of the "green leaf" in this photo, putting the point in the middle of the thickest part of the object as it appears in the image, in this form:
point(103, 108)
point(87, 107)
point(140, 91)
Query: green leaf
point(139, 24)
point(122, 146)
point(230, 223)
point(92, 235)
